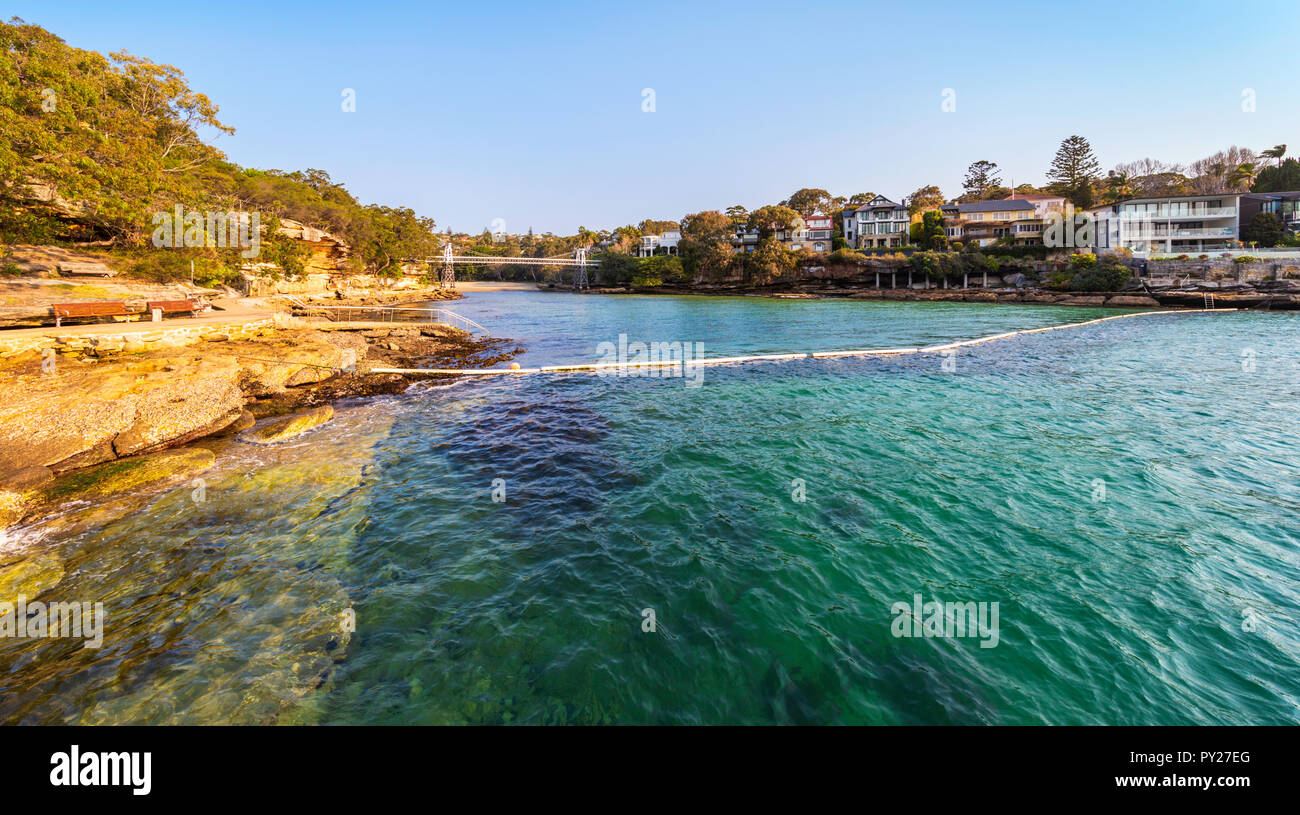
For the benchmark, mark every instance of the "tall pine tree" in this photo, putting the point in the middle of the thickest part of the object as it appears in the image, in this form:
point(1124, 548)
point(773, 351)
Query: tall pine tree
point(1073, 171)
point(981, 177)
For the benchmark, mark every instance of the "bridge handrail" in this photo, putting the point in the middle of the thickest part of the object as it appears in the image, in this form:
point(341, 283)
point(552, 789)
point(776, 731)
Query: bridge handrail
point(497, 260)
point(446, 315)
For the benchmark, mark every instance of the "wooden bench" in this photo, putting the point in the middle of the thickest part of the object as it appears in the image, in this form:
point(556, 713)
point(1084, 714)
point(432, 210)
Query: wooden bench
point(175, 306)
point(77, 310)
point(98, 269)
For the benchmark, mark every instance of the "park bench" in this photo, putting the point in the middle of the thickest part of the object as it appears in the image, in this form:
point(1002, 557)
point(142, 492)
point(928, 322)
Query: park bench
point(175, 306)
point(77, 268)
point(64, 311)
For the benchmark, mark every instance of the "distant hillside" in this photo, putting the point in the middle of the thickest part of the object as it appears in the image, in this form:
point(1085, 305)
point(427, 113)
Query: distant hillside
point(92, 146)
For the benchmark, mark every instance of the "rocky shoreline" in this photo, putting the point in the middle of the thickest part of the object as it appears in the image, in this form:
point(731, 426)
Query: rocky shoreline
point(102, 421)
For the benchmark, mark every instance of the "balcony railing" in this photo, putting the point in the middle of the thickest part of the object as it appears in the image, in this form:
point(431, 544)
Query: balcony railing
point(1202, 212)
point(1143, 234)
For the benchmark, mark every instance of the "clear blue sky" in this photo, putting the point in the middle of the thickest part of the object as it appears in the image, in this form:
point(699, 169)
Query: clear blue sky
point(532, 112)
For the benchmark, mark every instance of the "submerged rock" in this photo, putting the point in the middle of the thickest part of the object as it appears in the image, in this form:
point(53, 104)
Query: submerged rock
point(101, 483)
point(30, 578)
point(289, 427)
point(14, 507)
point(17, 491)
point(245, 421)
point(126, 475)
point(220, 611)
point(1133, 300)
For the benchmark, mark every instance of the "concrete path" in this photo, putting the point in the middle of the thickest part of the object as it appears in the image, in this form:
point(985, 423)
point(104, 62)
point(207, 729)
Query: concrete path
point(232, 312)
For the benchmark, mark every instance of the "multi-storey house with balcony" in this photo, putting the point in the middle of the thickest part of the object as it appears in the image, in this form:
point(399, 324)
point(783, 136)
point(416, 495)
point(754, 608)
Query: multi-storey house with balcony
point(746, 240)
point(1183, 223)
point(984, 222)
point(811, 234)
point(663, 244)
point(878, 223)
point(818, 230)
point(1021, 218)
point(1105, 226)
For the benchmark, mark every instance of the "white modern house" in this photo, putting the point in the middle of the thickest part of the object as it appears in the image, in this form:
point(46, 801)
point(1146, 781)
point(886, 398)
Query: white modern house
point(664, 244)
point(1185, 223)
point(878, 223)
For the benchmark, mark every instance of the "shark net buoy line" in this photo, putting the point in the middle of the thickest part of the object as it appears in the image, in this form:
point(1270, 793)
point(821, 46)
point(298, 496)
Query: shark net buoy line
point(596, 367)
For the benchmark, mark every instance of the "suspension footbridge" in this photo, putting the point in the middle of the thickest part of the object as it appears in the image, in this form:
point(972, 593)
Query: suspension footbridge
point(578, 262)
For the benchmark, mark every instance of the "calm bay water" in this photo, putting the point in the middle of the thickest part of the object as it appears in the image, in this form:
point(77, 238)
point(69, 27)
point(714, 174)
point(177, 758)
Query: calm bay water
point(1173, 600)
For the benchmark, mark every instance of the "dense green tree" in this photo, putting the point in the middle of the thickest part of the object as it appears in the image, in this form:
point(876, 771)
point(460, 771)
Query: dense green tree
point(770, 218)
point(1265, 229)
point(91, 147)
point(705, 247)
point(617, 269)
point(1244, 175)
point(980, 178)
point(811, 201)
point(931, 234)
point(659, 270)
point(1284, 177)
point(1073, 171)
point(652, 227)
point(928, 197)
point(769, 262)
point(108, 141)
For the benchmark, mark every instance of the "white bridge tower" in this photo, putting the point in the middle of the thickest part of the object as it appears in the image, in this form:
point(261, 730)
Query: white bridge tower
point(580, 271)
point(448, 268)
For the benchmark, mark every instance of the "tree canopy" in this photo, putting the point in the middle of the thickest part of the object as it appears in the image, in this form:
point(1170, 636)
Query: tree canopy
point(981, 177)
point(925, 198)
point(92, 146)
point(1073, 171)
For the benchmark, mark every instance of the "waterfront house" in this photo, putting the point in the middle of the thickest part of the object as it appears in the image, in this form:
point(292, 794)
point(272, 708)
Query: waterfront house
point(984, 222)
point(878, 223)
point(818, 230)
point(1180, 223)
point(811, 234)
point(1105, 225)
point(663, 244)
point(792, 237)
point(746, 240)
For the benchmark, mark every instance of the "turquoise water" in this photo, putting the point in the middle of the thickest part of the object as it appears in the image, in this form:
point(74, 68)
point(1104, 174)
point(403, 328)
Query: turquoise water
point(1173, 600)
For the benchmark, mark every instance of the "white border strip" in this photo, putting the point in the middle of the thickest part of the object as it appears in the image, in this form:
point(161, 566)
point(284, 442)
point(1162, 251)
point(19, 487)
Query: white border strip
point(929, 349)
